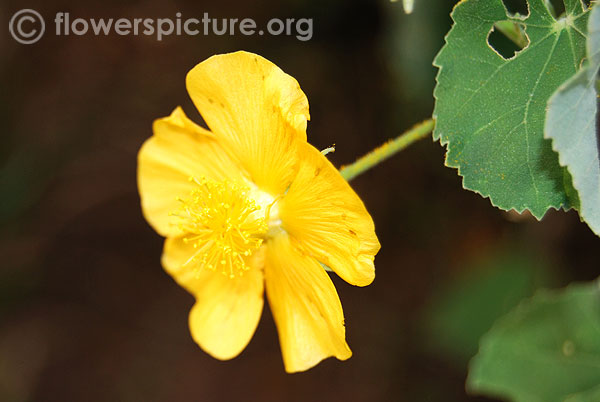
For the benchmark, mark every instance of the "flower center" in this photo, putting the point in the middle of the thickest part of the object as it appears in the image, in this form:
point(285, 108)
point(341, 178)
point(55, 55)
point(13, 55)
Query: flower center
point(226, 222)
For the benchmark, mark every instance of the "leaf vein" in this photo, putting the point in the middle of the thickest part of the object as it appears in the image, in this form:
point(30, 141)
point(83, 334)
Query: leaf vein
point(527, 104)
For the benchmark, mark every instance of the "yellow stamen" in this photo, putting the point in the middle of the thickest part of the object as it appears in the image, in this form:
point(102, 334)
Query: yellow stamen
point(222, 224)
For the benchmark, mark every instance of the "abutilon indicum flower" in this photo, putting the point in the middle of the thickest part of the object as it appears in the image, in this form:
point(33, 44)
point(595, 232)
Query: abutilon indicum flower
point(251, 205)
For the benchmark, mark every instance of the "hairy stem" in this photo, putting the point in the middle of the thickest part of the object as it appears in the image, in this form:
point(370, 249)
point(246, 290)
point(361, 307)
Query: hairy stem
point(387, 150)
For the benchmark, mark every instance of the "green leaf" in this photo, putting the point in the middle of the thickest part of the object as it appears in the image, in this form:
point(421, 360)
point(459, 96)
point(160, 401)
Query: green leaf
point(585, 396)
point(466, 307)
point(571, 124)
point(545, 350)
point(490, 111)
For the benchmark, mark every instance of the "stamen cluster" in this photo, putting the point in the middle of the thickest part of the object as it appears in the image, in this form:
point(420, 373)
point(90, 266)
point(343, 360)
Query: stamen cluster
point(220, 220)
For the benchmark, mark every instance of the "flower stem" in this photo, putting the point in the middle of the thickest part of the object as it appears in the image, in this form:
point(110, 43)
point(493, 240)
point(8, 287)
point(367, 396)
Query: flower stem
point(387, 150)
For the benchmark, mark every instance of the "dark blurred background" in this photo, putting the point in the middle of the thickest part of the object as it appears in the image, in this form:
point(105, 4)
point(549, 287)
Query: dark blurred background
point(86, 311)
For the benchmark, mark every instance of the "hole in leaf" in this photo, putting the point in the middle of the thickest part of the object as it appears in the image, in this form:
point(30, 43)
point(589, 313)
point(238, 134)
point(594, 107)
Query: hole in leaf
point(516, 7)
point(556, 7)
point(507, 38)
point(586, 4)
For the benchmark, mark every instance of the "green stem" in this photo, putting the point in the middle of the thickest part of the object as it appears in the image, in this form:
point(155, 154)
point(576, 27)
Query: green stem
point(512, 31)
point(387, 150)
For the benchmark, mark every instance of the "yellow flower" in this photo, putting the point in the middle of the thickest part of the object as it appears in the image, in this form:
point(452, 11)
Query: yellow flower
point(251, 205)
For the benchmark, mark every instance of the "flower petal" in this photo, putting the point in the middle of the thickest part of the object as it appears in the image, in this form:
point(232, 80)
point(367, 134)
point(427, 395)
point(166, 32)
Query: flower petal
point(256, 109)
point(328, 219)
point(178, 150)
point(305, 306)
point(227, 310)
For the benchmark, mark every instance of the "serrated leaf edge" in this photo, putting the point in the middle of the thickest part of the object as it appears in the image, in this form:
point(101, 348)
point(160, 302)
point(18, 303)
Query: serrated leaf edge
point(437, 137)
point(583, 71)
